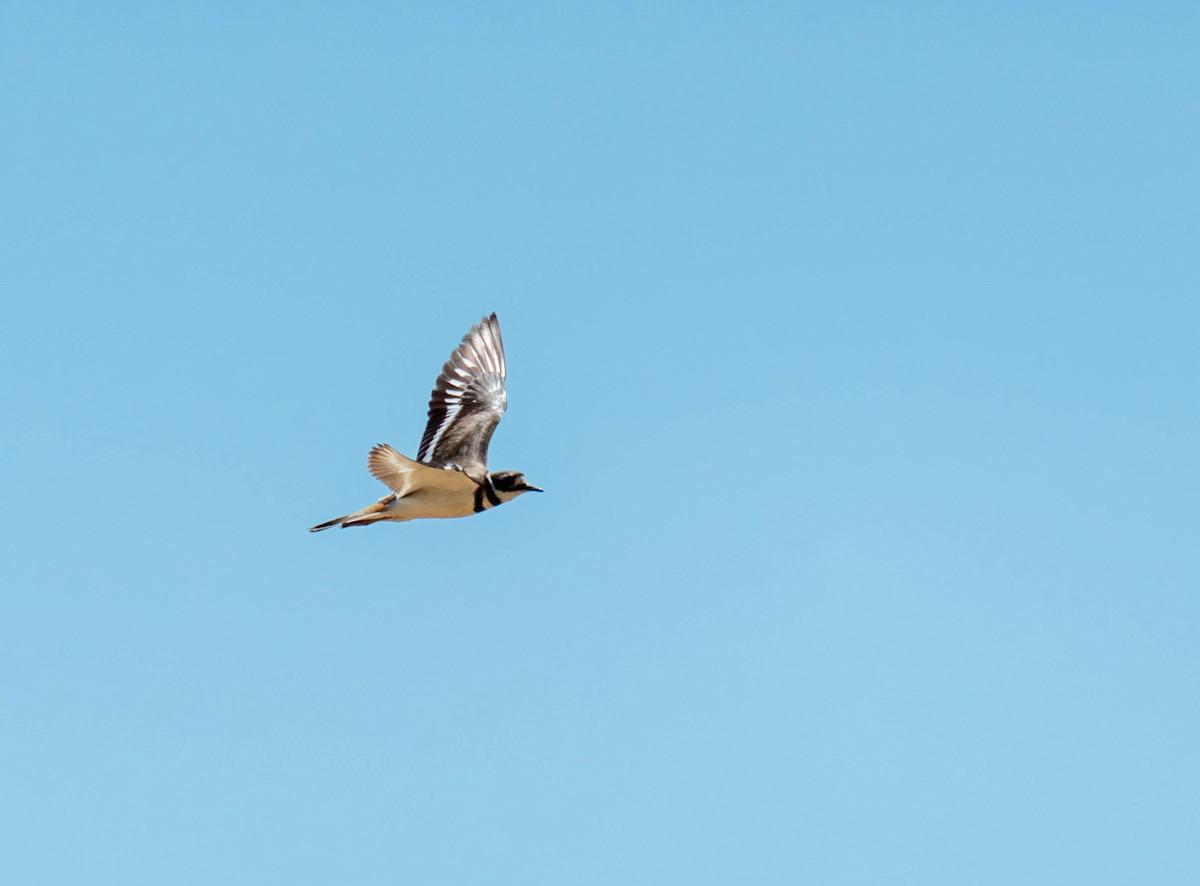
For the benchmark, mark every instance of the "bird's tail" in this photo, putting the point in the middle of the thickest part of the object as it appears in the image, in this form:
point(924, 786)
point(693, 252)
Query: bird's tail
point(368, 515)
point(336, 521)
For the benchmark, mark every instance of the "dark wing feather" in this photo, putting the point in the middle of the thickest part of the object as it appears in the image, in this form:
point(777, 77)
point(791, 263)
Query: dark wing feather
point(467, 402)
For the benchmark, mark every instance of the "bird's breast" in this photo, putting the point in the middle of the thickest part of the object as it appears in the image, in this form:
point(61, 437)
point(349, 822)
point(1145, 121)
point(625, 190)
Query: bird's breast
point(440, 494)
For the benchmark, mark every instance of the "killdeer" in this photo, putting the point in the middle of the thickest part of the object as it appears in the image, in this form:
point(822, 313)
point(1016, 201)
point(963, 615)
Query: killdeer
point(449, 477)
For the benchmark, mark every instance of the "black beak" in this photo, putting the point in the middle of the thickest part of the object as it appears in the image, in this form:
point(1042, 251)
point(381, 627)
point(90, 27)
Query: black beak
point(529, 488)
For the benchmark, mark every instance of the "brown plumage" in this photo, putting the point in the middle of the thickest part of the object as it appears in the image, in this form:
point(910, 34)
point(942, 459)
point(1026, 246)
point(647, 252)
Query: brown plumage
point(450, 476)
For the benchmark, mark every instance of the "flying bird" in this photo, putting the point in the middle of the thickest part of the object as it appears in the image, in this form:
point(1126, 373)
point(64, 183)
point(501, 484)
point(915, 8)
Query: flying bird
point(449, 477)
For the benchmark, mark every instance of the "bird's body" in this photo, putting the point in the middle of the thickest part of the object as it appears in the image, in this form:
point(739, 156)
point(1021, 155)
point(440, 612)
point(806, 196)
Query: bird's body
point(450, 476)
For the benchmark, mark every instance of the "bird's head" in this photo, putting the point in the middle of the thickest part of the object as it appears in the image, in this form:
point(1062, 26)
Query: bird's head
point(510, 484)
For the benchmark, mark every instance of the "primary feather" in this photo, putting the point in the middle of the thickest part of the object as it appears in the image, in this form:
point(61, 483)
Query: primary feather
point(467, 403)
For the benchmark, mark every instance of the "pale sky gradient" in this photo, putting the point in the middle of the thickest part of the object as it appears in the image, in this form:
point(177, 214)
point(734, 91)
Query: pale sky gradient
point(856, 349)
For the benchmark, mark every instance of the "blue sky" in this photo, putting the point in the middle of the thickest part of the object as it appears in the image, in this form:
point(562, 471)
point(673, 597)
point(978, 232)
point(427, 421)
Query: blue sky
point(855, 347)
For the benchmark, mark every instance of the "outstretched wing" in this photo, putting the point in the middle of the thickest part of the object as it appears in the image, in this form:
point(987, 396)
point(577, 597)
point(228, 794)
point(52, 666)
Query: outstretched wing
point(467, 402)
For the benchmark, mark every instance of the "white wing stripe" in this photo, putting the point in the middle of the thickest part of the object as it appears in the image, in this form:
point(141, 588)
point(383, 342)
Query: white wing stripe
point(466, 389)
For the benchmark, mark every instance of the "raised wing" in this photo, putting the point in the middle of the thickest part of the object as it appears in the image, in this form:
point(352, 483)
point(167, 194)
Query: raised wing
point(467, 402)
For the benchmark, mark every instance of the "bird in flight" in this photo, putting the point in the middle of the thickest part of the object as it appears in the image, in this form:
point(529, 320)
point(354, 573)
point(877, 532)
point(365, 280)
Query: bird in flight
point(450, 476)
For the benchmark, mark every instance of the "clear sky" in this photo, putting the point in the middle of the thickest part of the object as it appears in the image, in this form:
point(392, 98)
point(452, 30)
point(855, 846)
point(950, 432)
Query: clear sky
point(854, 345)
